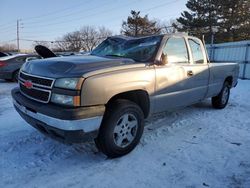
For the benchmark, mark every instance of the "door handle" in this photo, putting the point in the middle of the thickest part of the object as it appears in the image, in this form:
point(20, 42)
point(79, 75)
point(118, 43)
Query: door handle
point(190, 73)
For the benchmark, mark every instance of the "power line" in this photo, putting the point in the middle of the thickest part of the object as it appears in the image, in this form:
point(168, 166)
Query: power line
point(148, 9)
point(72, 20)
point(72, 13)
point(52, 41)
point(82, 18)
point(3, 25)
point(34, 40)
point(54, 11)
point(7, 41)
point(62, 10)
point(7, 24)
point(36, 36)
point(44, 15)
point(39, 40)
point(144, 10)
point(161, 5)
point(4, 29)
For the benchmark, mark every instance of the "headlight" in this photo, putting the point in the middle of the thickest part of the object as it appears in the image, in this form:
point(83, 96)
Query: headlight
point(69, 83)
point(65, 99)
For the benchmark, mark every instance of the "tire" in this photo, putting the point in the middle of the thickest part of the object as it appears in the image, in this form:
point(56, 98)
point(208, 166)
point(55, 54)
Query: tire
point(121, 129)
point(15, 76)
point(220, 101)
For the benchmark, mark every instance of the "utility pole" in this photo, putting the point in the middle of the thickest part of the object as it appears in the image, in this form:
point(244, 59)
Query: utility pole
point(17, 34)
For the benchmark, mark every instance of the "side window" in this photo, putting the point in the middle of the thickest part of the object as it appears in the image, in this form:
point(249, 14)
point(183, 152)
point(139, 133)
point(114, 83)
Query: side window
point(196, 51)
point(176, 50)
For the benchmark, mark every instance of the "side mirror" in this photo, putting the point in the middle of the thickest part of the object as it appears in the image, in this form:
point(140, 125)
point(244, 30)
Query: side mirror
point(164, 59)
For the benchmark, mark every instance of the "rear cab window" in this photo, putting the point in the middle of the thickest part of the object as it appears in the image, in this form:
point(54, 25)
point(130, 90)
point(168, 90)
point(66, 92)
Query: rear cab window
point(196, 48)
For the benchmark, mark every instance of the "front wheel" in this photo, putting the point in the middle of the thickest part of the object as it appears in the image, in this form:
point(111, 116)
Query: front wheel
point(220, 101)
point(121, 129)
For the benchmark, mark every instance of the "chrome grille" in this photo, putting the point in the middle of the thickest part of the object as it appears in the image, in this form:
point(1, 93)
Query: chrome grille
point(41, 87)
point(38, 80)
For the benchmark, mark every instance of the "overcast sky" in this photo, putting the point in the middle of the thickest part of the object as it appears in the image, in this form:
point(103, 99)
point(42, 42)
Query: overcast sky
point(50, 19)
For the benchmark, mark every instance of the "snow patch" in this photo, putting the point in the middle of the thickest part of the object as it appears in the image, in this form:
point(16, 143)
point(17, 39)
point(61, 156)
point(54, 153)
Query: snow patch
point(196, 146)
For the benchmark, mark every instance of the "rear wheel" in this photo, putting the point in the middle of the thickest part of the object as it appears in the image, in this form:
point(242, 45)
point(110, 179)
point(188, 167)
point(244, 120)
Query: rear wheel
point(121, 128)
point(220, 101)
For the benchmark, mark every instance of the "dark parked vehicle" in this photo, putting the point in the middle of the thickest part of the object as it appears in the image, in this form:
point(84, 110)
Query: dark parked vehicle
point(2, 54)
point(10, 65)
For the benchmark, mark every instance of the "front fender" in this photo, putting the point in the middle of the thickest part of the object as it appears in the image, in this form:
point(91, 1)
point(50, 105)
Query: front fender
point(99, 89)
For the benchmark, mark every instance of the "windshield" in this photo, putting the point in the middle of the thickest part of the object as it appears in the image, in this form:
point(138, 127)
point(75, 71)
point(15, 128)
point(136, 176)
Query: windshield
point(142, 49)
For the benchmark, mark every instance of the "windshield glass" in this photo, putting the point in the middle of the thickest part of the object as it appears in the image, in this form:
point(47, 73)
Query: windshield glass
point(142, 49)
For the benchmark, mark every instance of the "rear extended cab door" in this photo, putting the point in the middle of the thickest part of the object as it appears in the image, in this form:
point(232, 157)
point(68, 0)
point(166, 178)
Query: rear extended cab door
point(182, 81)
point(199, 81)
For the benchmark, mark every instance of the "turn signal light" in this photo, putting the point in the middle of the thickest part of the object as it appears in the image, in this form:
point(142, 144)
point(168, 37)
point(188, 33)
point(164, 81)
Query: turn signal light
point(77, 101)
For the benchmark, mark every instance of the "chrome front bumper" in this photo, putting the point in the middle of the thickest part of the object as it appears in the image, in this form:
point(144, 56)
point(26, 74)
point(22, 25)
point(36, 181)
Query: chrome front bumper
point(86, 125)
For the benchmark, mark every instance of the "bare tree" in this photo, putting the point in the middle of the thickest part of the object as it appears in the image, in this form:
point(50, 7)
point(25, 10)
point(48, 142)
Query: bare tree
point(60, 46)
point(92, 36)
point(167, 26)
point(43, 43)
point(88, 35)
point(73, 40)
point(69, 42)
point(8, 48)
point(86, 39)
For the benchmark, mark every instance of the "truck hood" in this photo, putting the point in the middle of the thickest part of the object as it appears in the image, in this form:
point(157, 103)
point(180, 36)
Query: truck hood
point(73, 66)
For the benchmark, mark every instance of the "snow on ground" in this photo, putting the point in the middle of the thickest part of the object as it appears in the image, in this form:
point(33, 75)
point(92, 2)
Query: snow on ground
point(192, 147)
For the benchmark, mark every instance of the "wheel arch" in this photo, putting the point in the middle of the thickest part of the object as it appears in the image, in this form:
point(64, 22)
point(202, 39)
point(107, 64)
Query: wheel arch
point(140, 97)
point(229, 79)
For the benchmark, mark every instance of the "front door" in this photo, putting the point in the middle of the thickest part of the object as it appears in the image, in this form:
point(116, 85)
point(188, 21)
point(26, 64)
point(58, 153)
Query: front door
point(176, 81)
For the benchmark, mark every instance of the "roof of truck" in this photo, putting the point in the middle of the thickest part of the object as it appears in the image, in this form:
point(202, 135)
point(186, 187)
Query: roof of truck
point(132, 38)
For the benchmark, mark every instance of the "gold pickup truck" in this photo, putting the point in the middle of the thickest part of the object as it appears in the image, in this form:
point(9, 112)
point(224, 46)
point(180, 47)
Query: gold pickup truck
point(107, 94)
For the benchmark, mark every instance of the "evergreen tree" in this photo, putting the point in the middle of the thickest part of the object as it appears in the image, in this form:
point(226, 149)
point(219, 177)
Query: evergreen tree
point(227, 20)
point(139, 26)
point(200, 20)
point(234, 20)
